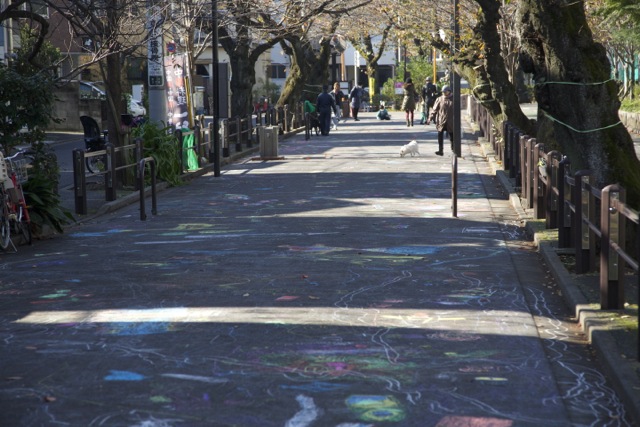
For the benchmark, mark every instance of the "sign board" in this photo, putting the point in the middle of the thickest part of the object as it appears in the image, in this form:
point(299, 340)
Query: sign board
point(177, 107)
point(155, 69)
point(399, 88)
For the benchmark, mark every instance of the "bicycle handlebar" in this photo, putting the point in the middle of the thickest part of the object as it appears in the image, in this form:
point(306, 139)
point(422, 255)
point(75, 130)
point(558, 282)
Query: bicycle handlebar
point(18, 153)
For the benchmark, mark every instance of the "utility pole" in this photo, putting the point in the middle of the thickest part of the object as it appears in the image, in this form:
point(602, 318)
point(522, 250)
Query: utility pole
point(155, 65)
point(214, 155)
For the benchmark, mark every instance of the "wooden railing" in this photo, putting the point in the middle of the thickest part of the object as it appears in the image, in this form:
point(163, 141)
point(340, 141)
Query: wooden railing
point(591, 221)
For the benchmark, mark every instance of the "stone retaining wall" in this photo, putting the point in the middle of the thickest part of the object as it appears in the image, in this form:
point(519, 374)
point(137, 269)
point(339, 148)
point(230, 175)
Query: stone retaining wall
point(631, 121)
point(69, 107)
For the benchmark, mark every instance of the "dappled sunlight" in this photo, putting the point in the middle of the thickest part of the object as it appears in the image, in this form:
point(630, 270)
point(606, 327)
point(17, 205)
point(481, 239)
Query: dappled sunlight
point(376, 207)
point(494, 322)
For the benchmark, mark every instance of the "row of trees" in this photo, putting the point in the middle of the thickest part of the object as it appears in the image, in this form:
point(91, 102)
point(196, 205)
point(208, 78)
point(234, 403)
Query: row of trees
point(562, 44)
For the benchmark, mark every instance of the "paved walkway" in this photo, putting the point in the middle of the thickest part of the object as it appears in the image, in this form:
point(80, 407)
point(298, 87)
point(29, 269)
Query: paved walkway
point(331, 288)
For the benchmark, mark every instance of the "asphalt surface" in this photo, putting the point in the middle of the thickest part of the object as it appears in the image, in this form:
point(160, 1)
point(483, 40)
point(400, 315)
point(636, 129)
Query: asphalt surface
point(333, 287)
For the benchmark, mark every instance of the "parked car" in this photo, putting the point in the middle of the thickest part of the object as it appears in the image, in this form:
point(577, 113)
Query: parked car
point(136, 108)
point(96, 90)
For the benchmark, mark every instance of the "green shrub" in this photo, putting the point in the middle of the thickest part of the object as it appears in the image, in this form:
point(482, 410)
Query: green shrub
point(41, 191)
point(160, 143)
point(631, 105)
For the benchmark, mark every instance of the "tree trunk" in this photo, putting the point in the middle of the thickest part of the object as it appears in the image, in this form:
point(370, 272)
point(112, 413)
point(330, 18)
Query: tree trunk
point(243, 77)
point(243, 54)
point(309, 71)
point(497, 88)
point(113, 77)
point(365, 46)
point(577, 100)
point(293, 88)
point(372, 73)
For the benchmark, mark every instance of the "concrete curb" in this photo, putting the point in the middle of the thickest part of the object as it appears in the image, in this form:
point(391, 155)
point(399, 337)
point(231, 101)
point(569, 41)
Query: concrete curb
point(595, 324)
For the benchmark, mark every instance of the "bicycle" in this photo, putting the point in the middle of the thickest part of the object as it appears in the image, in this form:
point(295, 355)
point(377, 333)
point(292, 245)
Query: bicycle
point(15, 213)
point(94, 142)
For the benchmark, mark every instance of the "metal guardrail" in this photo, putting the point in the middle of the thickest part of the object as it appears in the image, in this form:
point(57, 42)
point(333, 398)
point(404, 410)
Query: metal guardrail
point(591, 221)
point(236, 131)
point(114, 163)
point(239, 133)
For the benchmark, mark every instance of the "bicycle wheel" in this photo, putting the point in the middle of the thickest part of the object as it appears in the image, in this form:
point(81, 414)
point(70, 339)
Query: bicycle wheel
point(96, 164)
point(5, 227)
point(23, 227)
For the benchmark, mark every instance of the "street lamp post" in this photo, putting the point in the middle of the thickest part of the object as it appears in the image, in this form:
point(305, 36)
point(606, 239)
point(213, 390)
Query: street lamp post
point(334, 66)
point(456, 85)
point(356, 67)
point(215, 91)
point(457, 128)
point(404, 59)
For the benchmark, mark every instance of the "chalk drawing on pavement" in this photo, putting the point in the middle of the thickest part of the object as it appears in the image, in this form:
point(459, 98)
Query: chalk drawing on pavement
point(307, 414)
point(137, 328)
point(115, 375)
point(376, 408)
point(316, 387)
point(458, 421)
point(81, 234)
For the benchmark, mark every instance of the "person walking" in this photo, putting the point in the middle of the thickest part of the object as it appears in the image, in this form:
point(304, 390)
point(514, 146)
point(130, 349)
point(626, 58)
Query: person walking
point(442, 116)
point(409, 100)
point(429, 91)
point(355, 98)
point(324, 105)
point(338, 96)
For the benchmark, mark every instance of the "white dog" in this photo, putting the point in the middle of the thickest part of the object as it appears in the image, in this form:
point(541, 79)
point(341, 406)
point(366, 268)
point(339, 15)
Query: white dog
point(410, 148)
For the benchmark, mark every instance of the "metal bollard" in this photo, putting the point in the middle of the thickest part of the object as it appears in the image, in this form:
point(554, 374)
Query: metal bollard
point(79, 182)
point(141, 169)
point(110, 174)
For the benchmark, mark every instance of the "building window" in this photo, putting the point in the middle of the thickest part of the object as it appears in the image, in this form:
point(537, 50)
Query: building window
point(37, 6)
point(201, 70)
point(137, 68)
point(278, 71)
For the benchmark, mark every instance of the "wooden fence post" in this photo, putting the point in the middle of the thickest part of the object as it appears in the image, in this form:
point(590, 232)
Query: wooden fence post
point(583, 237)
point(224, 137)
point(612, 227)
point(539, 206)
point(564, 196)
point(551, 202)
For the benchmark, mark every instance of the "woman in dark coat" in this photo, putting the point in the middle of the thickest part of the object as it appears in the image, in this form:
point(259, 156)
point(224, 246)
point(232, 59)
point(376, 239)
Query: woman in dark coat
point(409, 100)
